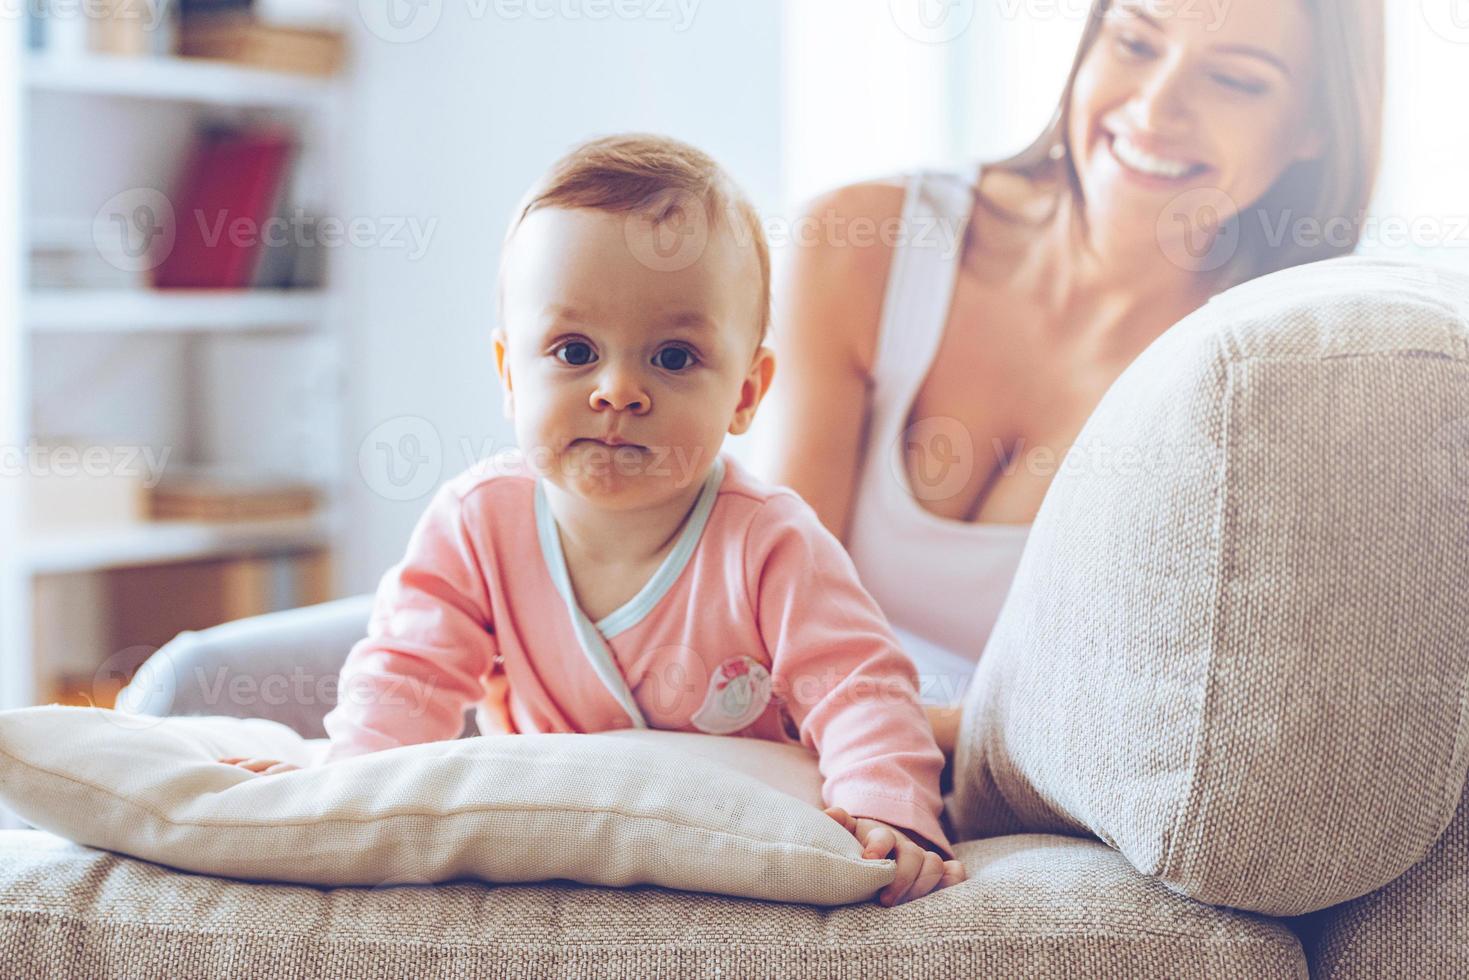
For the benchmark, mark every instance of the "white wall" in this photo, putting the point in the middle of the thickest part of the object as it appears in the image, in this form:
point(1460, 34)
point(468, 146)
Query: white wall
point(877, 88)
point(449, 130)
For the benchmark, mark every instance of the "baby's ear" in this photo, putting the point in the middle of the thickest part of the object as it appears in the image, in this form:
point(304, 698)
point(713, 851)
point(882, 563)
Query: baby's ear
point(753, 389)
point(502, 367)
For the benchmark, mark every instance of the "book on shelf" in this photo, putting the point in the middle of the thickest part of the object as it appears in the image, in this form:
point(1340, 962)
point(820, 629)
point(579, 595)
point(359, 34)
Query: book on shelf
point(241, 37)
point(223, 494)
point(65, 29)
point(231, 185)
point(131, 27)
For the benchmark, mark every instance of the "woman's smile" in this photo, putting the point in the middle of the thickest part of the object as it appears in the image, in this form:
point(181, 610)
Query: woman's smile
point(1155, 169)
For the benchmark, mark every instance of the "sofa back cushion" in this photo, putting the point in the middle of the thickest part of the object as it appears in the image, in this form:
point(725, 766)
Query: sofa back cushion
point(1237, 645)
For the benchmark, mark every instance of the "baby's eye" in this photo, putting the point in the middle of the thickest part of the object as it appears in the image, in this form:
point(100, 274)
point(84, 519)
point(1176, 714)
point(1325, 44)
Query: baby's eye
point(680, 358)
point(579, 352)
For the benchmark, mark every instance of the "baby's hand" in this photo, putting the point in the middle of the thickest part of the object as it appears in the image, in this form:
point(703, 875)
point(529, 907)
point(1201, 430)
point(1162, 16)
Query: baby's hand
point(264, 767)
point(920, 870)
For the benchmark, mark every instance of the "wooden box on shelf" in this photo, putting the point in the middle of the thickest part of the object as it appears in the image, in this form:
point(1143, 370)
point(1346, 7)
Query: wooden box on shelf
point(223, 494)
point(242, 39)
point(87, 655)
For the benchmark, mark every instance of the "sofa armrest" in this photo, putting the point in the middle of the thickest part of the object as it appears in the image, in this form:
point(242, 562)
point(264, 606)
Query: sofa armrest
point(281, 666)
point(1234, 646)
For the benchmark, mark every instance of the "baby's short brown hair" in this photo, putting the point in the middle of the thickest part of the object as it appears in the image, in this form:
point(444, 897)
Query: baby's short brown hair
point(652, 174)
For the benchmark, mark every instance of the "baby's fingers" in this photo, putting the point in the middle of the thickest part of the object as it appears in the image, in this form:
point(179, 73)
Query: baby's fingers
point(953, 874)
point(261, 766)
point(880, 842)
point(930, 873)
point(842, 817)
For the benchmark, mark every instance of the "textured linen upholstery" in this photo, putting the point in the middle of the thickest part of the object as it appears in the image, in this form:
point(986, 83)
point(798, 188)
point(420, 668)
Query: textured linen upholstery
point(1236, 645)
point(1417, 926)
point(1046, 908)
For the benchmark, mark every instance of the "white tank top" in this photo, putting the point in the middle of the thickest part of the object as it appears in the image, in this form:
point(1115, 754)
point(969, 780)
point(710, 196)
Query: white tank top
point(940, 582)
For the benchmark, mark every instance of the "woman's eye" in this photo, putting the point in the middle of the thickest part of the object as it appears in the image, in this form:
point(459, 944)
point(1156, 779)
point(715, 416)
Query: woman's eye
point(1244, 85)
point(1133, 46)
point(579, 353)
point(673, 358)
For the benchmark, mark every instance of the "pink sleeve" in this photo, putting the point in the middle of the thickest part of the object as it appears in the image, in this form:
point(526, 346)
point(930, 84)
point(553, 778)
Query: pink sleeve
point(845, 680)
point(430, 647)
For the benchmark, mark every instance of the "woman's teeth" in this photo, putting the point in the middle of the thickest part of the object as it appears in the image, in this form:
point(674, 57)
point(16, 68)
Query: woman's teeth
point(1146, 163)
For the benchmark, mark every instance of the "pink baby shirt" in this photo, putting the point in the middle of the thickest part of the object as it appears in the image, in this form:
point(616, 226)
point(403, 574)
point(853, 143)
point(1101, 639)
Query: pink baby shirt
point(755, 625)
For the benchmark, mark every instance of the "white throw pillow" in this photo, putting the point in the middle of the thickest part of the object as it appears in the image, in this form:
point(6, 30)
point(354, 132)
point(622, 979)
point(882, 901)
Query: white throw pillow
point(675, 809)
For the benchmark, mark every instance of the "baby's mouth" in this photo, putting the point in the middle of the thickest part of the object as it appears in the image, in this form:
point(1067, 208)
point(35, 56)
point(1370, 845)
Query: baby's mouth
point(610, 445)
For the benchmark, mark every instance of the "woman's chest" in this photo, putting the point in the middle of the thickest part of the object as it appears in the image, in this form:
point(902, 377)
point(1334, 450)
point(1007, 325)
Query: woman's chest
point(1005, 397)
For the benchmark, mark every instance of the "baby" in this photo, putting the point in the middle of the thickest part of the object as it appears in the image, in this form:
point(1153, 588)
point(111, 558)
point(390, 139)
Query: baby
point(618, 571)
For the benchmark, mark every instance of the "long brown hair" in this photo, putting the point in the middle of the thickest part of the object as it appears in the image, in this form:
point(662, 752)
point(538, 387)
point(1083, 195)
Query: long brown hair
point(1328, 191)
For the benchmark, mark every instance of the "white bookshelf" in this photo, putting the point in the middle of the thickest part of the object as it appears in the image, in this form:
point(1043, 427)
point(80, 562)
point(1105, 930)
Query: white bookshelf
point(87, 550)
point(73, 131)
point(127, 310)
point(16, 681)
point(185, 80)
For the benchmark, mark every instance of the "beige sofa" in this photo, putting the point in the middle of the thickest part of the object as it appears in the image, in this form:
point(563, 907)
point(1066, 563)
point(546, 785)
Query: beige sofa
point(1221, 730)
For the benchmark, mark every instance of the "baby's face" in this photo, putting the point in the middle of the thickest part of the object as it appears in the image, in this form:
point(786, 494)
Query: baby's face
point(604, 342)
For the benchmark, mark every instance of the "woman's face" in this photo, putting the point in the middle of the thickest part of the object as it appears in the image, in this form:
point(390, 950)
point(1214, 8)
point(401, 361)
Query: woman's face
point(1184, 114)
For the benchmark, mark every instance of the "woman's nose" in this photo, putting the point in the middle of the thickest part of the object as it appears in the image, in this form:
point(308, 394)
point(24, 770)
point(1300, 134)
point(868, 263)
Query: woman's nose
point(1162, 103)
point(622, 390)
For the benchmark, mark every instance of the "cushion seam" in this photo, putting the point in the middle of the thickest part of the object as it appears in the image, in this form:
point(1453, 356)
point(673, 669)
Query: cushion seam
point(1185, 807)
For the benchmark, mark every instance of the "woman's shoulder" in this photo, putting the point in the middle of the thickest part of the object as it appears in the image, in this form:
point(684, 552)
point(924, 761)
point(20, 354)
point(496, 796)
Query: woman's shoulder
point(842, 253)
point(848, 222)
point(847, 237)
point(843, 249)
point(856, 227)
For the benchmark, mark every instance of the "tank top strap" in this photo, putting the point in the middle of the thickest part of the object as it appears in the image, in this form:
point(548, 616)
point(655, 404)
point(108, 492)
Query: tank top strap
point(921, 279)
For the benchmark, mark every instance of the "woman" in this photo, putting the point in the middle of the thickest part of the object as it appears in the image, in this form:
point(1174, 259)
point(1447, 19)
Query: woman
point(931, 391)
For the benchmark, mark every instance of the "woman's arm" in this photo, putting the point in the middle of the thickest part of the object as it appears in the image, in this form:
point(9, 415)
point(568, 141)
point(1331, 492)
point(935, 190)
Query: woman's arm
point(827, 307)
point(945, 722)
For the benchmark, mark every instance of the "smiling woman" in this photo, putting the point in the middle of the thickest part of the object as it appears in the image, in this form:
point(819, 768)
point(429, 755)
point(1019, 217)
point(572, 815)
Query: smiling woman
point(1269, 113)
point(929, 394)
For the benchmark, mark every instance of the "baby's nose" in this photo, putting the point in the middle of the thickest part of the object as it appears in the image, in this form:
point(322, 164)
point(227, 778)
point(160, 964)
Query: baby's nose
point(622, 392)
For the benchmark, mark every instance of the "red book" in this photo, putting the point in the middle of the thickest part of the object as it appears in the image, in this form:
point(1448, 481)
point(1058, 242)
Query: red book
point(227, 193)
